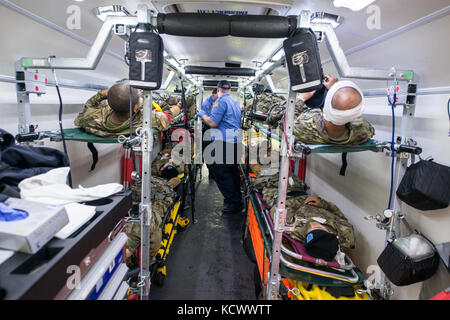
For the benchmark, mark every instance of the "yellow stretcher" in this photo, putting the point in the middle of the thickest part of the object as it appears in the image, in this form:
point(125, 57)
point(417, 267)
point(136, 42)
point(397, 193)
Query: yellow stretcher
point(174, 223)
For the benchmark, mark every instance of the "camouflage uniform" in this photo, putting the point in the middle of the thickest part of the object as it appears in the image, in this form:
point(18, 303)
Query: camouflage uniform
point(160, 161)
point(267, 101)
point(191, 106)
point(269, 187)
point(162, 197)
point(276, 113)
point(309, 128)
point(133, 231)
point(335, 220)
point(160, 121)
point(95, 119)
point(173, 111)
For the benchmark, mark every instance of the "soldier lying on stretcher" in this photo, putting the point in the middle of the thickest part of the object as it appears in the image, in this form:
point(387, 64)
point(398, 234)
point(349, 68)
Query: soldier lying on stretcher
point(107, 114)
point(321, 226)
point(339, 122)
point(162, 197)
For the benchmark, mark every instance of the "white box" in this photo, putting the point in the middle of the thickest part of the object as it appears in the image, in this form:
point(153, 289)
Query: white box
point(32, 233)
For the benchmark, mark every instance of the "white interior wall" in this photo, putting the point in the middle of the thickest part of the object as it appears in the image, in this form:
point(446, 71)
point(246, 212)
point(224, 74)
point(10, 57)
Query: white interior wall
point(365, 188)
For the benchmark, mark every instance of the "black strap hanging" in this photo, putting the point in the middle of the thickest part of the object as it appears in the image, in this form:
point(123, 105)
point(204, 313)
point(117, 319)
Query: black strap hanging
point(94, 153)
point(344, 164)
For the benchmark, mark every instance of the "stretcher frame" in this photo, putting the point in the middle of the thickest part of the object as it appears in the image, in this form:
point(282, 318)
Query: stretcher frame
point(324, 275)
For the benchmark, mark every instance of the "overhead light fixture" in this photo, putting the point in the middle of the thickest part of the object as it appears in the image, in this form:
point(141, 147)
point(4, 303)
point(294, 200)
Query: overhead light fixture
point(354, 5)
point(113, 10)
point(324, 17)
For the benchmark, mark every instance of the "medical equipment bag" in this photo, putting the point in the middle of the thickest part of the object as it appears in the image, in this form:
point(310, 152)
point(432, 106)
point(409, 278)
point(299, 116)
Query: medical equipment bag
point(425, 186)
point(146, 55)
point(408, 260)
point(303, 61)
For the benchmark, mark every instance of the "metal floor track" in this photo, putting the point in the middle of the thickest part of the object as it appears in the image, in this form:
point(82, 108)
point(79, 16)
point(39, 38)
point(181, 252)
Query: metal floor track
point(207, 260)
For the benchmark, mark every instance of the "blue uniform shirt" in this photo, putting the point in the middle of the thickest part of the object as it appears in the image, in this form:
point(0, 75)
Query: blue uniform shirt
point(207, 105)
point(226, 113)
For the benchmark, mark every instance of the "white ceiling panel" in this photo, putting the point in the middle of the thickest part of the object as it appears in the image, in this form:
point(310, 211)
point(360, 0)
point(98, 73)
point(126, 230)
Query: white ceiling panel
point(200, 51)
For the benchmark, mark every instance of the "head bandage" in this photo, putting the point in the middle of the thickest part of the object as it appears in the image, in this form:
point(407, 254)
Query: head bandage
point(341, 117)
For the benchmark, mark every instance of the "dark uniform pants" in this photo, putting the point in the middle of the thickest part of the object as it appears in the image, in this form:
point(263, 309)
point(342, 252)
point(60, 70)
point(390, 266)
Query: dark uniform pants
point(205, 143)
point(226, 174)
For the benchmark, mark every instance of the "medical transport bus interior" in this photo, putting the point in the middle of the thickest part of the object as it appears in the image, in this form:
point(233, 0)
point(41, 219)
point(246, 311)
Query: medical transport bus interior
point(239, 151)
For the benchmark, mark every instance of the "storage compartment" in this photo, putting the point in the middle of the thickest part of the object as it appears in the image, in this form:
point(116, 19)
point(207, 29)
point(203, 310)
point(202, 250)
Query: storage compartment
point(99, 202)
point(37, 261)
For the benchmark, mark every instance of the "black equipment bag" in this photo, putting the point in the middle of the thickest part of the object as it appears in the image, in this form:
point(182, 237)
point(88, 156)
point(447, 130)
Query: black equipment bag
point(404, 266)
point(425, 186)
point(303, 61)
point(146, 55)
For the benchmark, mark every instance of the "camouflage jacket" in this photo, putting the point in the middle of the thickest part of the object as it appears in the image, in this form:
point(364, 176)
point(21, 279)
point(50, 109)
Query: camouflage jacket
point(276, 113)
point(160, 161)
point(333, 219)
point(95, 119)
point(191, 106)
point(270, 190)
point(162, 197)
point(266, 101)
point(161, 193)
point(309, 128)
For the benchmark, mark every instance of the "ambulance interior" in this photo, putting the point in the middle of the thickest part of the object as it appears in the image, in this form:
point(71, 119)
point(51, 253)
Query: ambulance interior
point(380, 45)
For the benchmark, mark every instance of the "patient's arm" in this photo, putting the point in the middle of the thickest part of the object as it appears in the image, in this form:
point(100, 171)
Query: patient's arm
point(331, 207)
point(313, 201)
point(95, 101)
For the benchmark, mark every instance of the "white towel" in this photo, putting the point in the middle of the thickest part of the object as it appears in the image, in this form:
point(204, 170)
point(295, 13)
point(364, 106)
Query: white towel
point(51, 188)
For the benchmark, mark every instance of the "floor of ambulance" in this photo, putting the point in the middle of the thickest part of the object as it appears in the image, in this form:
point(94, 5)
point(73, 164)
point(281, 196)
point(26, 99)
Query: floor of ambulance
point(207, 260)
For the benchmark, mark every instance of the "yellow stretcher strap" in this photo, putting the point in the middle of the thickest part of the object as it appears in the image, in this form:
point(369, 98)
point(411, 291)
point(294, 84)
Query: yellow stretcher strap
point(156, 106)
point(318, 293)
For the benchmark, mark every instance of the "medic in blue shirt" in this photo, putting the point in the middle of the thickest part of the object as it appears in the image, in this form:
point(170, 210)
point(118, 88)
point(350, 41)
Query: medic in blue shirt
point(225, 119)
point(207, 105)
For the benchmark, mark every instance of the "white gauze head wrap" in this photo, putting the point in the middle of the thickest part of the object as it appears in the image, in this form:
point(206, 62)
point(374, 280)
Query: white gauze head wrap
point(341, 117)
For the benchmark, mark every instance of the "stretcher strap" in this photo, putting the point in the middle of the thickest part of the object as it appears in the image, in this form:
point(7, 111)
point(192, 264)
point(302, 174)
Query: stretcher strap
point(94, 153)
point(344, 164)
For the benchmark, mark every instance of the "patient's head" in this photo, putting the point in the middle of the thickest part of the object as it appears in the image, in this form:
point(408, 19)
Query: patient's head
point(346, 98)
point(344, 103)
point(172, 101)
point(320, 243)
point(119, 98)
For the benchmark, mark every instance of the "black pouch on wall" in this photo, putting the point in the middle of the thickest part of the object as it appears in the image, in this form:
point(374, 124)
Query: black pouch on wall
point(409, 260)
point(425, 186)
point(146, 54)
point(303, 61)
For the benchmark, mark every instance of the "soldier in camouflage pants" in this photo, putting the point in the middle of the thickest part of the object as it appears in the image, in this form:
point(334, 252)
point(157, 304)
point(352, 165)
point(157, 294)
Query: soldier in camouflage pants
point(162, 197)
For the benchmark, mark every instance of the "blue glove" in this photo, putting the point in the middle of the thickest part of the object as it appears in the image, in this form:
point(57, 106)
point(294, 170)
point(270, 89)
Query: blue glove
point(201, 113)
point(10, 214)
